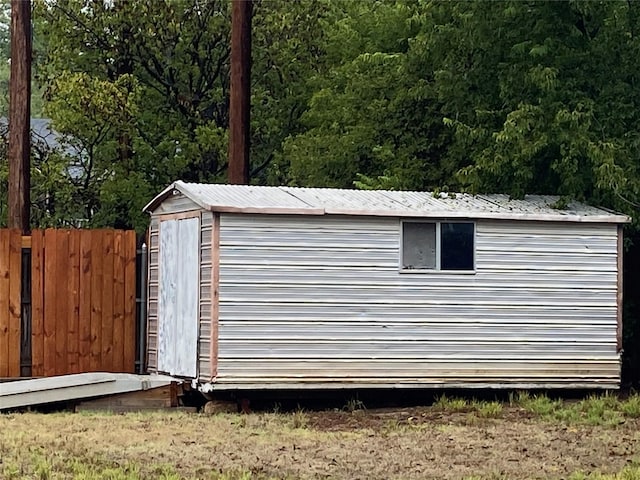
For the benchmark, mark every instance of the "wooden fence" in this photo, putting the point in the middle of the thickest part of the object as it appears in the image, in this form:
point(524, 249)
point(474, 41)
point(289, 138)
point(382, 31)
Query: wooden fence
point(10, 301)
point(82, 305)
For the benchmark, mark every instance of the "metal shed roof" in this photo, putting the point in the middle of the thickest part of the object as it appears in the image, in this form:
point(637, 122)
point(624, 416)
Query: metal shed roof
point(331, 201)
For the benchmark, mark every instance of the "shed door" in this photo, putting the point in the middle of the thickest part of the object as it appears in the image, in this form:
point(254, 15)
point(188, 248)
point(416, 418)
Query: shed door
point(179, 297)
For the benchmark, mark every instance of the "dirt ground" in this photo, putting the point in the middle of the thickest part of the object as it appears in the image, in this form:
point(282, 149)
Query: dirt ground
point(367, 444)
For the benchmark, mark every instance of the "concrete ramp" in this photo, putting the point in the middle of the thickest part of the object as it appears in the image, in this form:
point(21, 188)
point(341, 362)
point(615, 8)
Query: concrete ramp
point(65, 388)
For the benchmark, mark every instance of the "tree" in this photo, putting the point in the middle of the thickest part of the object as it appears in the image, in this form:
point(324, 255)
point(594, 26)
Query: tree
point(373, 119)
point(541, 95)
point(177, 53)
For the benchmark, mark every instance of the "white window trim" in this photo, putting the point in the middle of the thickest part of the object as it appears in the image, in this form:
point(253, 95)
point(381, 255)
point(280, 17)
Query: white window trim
point(437, 270)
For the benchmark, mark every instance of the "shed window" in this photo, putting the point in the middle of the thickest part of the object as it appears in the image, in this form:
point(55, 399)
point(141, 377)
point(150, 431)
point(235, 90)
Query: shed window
point(438, 246)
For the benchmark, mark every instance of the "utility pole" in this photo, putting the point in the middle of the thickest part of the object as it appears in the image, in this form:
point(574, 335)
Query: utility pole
point(240, 94)
point(19, 116)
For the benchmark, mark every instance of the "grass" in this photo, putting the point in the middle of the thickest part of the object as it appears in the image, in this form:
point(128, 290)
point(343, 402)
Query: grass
point(487, 409)
point(299, 419)
point(627, 473)
point(417, 442)
point(449, 405)
point(538, 404)
point(603, 410)
point(354, 404)
point(631, 406)
point(606, 409)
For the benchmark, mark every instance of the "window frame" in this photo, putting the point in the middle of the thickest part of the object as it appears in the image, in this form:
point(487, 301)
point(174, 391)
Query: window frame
point(437, 269)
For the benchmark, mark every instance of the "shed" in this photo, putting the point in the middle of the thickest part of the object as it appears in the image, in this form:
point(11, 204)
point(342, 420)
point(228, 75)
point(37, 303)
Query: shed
point(256, 287)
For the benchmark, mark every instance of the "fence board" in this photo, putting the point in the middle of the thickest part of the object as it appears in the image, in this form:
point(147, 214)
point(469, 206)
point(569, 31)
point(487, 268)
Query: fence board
point(73, 305)
point(82, 292)
point(37, 303)
point(107, 301)
point(49, 289)
point(4, 303)
point(118, 300)
point(15, 307)
point(62, 301)
point(96, 300)
point(130, 300)
point(84, 313)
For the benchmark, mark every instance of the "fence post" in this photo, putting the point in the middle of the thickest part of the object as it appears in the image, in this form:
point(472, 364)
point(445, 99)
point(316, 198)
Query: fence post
point(142, 318)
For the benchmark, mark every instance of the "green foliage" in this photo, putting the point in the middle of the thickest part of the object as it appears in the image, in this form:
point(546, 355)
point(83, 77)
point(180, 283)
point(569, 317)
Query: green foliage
point(299, 419)
point(606, 409)
point(354, 404)
point(168, 74)
point(486, 409)
point(506, 96)
point(537, 404)
point(372, 118)
point(537, 107)
point(627, 473)
point(631, 406)
point(447, 404)
point(599, 410)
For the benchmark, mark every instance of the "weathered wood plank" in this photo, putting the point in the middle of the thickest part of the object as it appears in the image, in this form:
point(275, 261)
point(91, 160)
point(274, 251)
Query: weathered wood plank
point(4, 303)
point(50, 254)
point(118, 301)
point(37, 303)
point(619, 302)
point(153, 399)
point(73, 293)
point(167, 271)
point(97, 253)
point(107, 301)
point(15, 294)
point(62, 301)
point(73, 387)
point(130, 301)
point(84, 313)
point(187, 306)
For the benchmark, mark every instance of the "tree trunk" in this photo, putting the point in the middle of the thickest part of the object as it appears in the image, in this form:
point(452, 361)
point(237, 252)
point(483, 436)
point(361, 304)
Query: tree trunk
point(19, 116)
point(240, 93)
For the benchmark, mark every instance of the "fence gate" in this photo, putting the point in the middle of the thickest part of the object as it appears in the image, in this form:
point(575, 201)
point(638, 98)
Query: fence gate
point(83, 300)
point(10, 286)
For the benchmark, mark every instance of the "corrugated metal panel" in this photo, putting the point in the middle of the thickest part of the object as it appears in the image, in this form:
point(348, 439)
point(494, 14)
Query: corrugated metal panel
point(320, 201)
point(319, 301)
point(241, 196)
point(152, 309)
point(204, 346)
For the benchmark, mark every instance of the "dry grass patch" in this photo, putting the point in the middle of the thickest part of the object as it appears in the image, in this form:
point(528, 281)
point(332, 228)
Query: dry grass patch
point(402, 444)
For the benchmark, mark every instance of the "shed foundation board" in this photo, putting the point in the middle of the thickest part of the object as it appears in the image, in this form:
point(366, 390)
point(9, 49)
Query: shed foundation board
point(611, 384)
point(153, 399)
point(40, 391)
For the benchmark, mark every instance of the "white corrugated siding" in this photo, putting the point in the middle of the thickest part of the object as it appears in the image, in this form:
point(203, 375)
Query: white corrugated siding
point(152, 307)
point(319, 301)
point(204, 345)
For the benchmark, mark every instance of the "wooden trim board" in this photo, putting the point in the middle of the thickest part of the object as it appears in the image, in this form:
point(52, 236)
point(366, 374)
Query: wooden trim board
point(619, 302)
point(179, 215)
